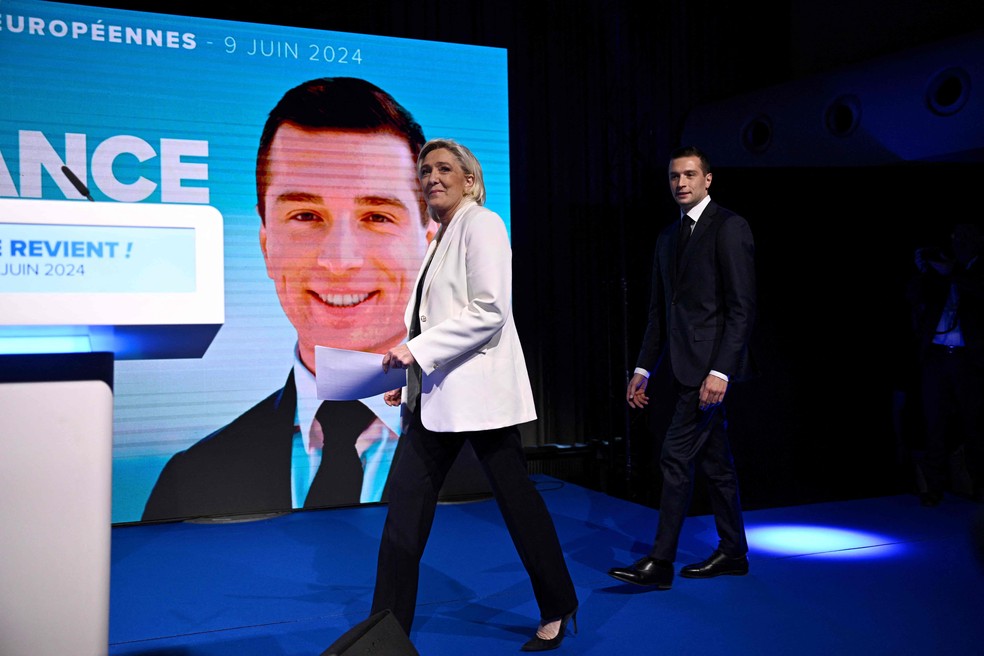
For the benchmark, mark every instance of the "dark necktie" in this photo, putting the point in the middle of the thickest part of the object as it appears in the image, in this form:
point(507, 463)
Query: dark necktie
point(339, 478)
point(686, 228)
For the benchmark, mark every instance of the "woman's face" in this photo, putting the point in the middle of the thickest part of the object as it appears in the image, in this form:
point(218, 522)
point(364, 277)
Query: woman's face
point(444, 182)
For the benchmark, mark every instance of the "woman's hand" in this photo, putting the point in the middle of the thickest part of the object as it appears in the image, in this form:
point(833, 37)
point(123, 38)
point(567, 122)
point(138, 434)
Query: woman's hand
point(398, 357)
point(393, 397)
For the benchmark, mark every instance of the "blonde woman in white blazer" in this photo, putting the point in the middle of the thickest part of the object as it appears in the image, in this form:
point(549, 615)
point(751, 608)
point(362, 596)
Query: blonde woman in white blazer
point(466, 380)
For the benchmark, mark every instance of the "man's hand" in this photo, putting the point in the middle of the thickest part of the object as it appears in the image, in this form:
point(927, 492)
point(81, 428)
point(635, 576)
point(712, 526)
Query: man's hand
point(398, 357)
point(712, 391)
point(635, 394)
point(393, 397)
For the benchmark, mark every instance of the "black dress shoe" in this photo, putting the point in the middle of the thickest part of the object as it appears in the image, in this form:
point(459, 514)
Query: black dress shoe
point(718, 564)
point(646, 571)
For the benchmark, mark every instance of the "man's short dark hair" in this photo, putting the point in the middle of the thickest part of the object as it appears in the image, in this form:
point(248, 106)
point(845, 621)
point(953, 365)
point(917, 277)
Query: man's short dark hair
point(693, 151)
point(336, 103)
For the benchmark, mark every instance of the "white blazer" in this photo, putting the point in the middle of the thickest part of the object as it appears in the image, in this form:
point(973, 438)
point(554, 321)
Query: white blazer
point(475, 375)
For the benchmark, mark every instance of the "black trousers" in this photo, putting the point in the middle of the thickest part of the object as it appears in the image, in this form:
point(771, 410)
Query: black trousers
point(418, 472)
point(697, 439)
point(953, 403)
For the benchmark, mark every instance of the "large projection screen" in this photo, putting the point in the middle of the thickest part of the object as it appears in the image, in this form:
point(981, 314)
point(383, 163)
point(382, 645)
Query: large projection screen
point(161, 109)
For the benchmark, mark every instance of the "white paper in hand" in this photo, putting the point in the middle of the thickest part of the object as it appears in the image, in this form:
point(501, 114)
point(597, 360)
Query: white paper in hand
point(348, 375)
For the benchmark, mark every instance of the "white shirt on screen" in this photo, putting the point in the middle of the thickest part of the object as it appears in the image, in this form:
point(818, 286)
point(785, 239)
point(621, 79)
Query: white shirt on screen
point(375, 446)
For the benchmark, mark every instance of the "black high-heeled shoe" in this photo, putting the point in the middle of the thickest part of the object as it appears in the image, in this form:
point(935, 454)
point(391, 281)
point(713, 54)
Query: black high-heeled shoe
point(537, 643)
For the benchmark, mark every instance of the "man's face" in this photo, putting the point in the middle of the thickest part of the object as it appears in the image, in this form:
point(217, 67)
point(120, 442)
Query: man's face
point(342, 236)
point(688, 183)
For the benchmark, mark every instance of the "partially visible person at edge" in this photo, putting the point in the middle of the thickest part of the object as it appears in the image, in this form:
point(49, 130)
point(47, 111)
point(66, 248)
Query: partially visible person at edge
point(700, 321)
point(343, 229)
point(466, 380)
point(947, 296)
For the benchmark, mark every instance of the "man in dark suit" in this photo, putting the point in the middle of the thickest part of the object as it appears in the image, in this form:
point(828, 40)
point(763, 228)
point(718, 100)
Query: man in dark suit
point(700, 321)
point(343, 231)
point(947, 297)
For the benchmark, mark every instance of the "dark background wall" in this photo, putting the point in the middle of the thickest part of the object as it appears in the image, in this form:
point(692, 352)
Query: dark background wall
point(600, 93)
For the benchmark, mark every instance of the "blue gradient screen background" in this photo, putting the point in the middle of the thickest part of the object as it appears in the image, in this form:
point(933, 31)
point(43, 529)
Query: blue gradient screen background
point(76, 83)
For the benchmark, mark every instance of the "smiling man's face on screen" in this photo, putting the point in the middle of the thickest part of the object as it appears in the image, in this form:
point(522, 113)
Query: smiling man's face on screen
point(343, 235)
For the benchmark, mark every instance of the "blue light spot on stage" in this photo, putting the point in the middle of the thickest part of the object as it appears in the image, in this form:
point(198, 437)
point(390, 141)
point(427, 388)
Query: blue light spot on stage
point(821, 542)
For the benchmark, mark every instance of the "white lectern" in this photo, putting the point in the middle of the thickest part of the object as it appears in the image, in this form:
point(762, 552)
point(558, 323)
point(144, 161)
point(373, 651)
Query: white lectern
point(56, 439)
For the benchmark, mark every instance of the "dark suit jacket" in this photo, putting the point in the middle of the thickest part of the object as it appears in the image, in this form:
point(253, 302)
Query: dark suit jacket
point(243, 467)
point(702, 313)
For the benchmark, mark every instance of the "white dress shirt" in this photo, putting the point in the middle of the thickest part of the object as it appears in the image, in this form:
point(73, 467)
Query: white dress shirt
point(375, 446)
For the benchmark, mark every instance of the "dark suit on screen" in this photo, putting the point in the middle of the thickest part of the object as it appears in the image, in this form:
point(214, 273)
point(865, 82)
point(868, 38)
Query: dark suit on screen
point(243, 467)
point(700, 320)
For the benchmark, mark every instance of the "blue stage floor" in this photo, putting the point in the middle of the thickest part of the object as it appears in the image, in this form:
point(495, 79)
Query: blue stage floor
point(872, 576)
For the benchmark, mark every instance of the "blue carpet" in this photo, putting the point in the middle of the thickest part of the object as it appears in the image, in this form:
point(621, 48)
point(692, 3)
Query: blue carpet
point(871, 576)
